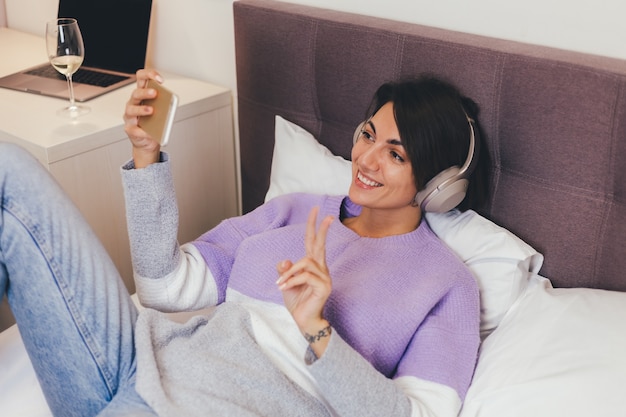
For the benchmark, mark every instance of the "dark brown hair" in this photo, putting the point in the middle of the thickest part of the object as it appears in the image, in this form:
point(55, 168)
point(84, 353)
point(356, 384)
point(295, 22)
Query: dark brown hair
point(431, 115)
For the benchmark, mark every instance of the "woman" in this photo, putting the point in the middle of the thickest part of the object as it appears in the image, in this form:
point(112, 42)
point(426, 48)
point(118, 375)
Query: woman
point(394, 332)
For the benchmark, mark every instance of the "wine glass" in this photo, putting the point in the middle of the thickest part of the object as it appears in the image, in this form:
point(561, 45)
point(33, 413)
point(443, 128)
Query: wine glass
point(66, 53)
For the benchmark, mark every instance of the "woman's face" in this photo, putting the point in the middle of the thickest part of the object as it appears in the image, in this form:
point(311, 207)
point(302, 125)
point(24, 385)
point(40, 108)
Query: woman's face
point(382, 176)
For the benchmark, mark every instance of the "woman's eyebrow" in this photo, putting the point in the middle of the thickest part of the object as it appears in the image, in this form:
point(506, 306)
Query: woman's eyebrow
point(396, 142)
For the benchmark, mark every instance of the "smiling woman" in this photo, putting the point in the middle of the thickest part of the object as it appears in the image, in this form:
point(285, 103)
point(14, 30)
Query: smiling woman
point(418, 141)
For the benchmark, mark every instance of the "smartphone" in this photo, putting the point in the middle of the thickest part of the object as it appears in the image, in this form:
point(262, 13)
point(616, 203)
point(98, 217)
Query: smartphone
point(159, 123)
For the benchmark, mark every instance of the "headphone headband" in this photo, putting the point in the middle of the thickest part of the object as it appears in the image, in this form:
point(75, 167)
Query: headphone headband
point(470, 162)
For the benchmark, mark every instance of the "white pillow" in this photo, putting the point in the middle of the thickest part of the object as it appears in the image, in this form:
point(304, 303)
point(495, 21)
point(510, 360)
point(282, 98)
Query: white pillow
point(501, 262)
point(301, 164)
point(558, 352)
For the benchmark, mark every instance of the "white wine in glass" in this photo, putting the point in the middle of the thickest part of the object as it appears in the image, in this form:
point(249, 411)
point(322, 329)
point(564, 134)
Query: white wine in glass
point(66, 53)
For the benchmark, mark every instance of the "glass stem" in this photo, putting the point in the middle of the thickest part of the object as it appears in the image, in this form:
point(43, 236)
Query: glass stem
point(70, 85)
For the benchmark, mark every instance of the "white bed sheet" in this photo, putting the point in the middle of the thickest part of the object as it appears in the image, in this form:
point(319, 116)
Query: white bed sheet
point(20, 393)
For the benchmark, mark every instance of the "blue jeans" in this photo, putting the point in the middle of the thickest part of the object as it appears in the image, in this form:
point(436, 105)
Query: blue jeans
point(72, 309)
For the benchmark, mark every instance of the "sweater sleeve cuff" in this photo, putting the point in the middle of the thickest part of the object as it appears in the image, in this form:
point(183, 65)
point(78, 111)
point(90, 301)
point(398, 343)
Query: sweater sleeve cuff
point(351, 384)
point(130, 165)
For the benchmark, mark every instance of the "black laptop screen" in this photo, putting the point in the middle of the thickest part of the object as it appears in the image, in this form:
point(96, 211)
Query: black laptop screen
point(115, 32)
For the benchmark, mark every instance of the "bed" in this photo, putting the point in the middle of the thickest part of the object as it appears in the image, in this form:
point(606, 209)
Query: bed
point(547, 248)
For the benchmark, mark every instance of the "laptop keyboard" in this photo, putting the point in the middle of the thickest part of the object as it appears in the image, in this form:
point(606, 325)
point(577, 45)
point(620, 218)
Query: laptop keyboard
point(83, 76)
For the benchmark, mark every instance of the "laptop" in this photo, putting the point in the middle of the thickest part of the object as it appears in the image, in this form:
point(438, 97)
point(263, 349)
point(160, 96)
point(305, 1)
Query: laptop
point(115, 35)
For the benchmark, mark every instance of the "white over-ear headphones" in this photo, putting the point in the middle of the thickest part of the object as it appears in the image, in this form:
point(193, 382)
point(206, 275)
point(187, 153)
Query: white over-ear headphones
point(448, 188)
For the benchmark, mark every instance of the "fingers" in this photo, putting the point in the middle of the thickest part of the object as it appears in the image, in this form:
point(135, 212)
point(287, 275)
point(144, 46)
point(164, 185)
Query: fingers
point(143, 75)
point(319, 245)
point(306, 284)
point(145, 148)
point(134, 107)
point(131, 120)
point(141, 93)
point(314, 263)
point(283, 266)
point(305, 271)
point(315, 240)
point(309, 236)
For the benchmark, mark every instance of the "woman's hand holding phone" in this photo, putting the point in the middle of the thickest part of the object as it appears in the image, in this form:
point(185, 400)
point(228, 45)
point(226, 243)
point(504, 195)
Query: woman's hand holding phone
point(146, 147)
point(159, 124)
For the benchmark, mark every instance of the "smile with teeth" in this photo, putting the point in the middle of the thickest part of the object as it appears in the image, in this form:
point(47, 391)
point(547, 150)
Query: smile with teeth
point(367, 181)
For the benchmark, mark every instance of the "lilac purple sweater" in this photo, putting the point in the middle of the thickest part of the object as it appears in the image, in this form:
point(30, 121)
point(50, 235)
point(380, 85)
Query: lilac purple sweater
point(405, 302)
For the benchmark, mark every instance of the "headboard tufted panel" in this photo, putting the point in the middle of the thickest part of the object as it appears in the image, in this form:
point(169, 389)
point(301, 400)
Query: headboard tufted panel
point(554, 121)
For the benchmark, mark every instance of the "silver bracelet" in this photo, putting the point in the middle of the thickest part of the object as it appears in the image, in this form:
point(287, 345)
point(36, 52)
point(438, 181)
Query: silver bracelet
point(325, 332)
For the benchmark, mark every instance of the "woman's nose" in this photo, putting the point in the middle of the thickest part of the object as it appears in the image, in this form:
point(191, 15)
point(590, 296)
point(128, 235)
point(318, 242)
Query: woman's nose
point(369, 158)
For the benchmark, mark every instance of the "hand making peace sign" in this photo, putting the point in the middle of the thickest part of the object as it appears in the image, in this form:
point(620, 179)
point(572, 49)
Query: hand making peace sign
point(306, 284)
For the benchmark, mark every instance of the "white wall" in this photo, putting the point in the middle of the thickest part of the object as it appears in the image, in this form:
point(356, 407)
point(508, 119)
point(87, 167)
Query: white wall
point(3, 15)
point(582, 25)
point(205, 27)
point(30, 15)
point(195, 37)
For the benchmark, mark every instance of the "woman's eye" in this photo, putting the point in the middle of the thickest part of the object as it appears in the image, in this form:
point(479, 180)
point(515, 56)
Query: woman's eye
point(397, 156)
point(367, 135)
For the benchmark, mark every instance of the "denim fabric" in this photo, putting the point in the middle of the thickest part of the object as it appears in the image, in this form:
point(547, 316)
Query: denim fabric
point(74, 314)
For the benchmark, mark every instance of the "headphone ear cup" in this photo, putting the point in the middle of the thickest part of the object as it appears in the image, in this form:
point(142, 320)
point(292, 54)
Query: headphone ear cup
point(444, 192)
point(357, 132)
point(448, 188)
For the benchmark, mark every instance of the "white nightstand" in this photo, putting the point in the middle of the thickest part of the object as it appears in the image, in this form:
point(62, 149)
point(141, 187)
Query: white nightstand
point(85, 156)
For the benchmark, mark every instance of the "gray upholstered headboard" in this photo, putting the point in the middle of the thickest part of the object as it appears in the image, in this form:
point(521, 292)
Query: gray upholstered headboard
point(554, 121)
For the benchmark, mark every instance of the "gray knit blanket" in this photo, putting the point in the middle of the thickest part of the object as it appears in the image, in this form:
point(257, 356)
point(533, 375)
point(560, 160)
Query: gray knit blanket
point(212, 366)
